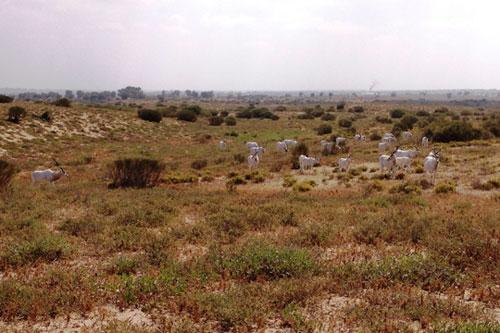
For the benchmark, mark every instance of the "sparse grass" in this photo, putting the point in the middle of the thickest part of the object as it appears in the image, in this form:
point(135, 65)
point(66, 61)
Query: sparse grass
point(194, 256)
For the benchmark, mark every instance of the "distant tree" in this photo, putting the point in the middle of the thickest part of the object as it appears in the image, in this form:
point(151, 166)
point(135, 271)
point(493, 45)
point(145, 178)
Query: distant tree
point(69, 94)
point(6, 99)
point(79, 94)
point(131, 92)
point(207, 94)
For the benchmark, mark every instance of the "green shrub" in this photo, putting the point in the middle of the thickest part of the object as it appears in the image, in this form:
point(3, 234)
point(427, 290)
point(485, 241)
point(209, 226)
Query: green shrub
point(136, 172)
point(150, 115)
point(261, 260)
point(341, 105)
point(303, 186)
point(43, 247)
point(383, 120)
point(346, 123)
point(215, 121)
point(85, 227)
point(289, 181)
point(324, 129)
point(422, 113)
point(63, 102)
point(306, 115)
point(357, 109)
point(230, 121)
point(328, 117)
point(187, 115)
point(199, 164)
point(397, 113)
point(6, 99)
point(16, 114)
point(123, 265)
point(170, 112)
point(223, 114)
point(407, 122)
point(7, 172)
point(46, 116)
point(444, 188)
point(196, 109)
point(406, 188)
point(493, 126)
point(455, 131)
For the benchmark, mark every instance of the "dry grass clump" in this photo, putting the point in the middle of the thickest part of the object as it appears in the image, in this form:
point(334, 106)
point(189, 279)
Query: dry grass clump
point(7, 172)
point(491, 184)
point(136, 173)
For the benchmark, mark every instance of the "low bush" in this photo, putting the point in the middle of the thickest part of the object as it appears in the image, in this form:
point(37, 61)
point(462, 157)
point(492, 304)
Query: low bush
point(230, 121)
point(324, 129)
point(305, 115)
point(357, 109)
point(187, 115)
point(304, 186)
point(223, 114)
point(136, 172)
point(375, 137)
point(6, 99)
point(346, 123)
point(199, 164)
point(260, 260)
point(215, 121)
point(170, 112)
point(196, 109)
point(397, 113)
point(328, 117)
point(441, 110)
point(46, 116)
point(407, 122)
point(43, 247)
point(383, 120)
point(7, 172)
point(16, 114)
point(422, 113)
point(444, 188)
point(150, 115)
point(489, 185)
point(453, 131)
point(341, 105)
point(63, 102)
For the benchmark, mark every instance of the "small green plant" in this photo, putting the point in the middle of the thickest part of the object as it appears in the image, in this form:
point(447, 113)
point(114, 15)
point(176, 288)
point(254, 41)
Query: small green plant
point(215, 121)
point(443, 188)
point(230, 121)
point(397, 113)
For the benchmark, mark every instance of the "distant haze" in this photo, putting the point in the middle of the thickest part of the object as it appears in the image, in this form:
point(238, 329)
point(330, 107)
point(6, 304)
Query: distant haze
point(250, 45)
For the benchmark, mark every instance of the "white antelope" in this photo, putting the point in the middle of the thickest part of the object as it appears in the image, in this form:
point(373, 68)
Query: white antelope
point(252, 144)
point(340, 141)
point(345, 163)
point(407, 135)
point(359, 137)
point(222, 145)
point(326, 146)
point(387, 162)
point(425, 142)
point(253, 161)
point(411, 153)
point(257, 151)
point(389, 138)
point(383, 146)
point(290, 143)
point(307, 163)
point(431, 163)
point(403, 163)
point(282, 146)
point(48, 175)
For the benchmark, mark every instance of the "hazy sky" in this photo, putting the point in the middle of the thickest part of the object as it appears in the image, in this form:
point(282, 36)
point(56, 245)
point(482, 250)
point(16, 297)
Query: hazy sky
point(250, 45)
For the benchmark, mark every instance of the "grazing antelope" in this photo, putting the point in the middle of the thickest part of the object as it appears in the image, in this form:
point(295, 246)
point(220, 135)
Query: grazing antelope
point(431, 163)
point(253, 161)
point(222, 145)
point(345, 163)
point(48, 174)
point(387, 162)
point(425, 142)
point(307, 163)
